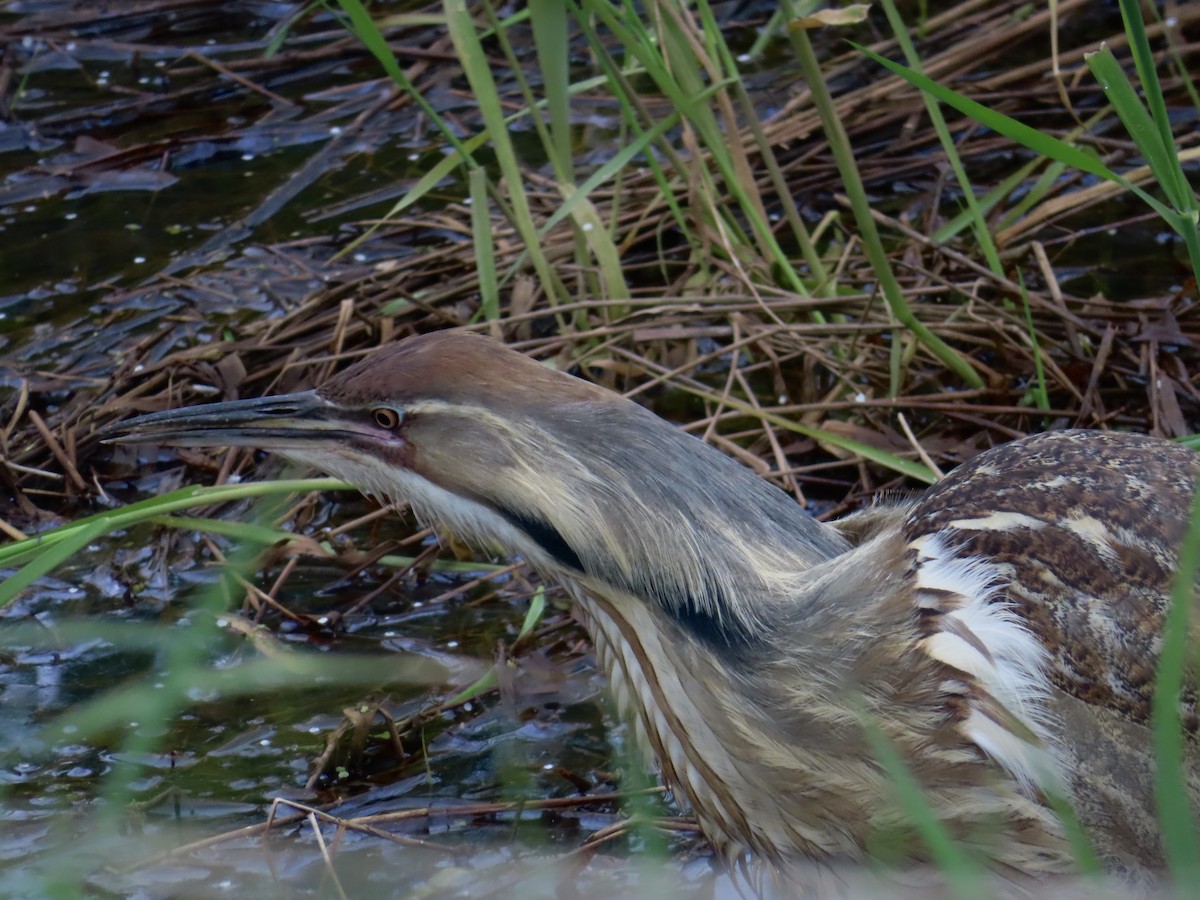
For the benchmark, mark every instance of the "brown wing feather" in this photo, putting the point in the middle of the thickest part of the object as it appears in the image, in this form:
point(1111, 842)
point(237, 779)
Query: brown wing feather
point(1086, 526)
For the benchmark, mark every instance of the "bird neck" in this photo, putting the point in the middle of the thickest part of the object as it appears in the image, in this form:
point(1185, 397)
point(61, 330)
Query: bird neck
point(658, 515)
point(742, 731)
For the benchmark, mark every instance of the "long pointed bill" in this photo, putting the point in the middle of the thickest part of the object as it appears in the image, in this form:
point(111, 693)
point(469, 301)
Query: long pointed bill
point(287, 421)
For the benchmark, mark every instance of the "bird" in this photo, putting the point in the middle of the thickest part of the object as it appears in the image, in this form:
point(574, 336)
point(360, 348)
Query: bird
point(999, 631)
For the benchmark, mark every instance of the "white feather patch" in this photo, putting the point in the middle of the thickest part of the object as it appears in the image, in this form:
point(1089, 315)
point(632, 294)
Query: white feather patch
point(1094, 532)
point(983, 637)
point(1034, 767)
point(998, 521)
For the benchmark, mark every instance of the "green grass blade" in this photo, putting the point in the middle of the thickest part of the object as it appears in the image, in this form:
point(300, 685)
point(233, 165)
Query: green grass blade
point(440, 171)
point(537, 606)
point(1035, 195)
point(986, 203)
point(446, 166)
point(1143, 59)
point(245, 532)
point(280, 671)
point(843, 154)
point(1170, 785)
point(670, 62)
point(49, 559)
point(483, 246)
point(898, 464)
point(633, 115)
point(487, 681)
point(978, 223)
point(720, 50)
point(1021, 133)
point(281, 34)
point(474, 61)
point(963, 875)
point(363, 27)
point(1159, 156)
point(145, 510)
point(1040, 396)
point(552, 42)
point(1082, 851)
point(608, 171)
point(447, 566)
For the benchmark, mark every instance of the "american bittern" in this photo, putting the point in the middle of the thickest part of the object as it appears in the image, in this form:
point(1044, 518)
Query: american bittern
point(1001, 631)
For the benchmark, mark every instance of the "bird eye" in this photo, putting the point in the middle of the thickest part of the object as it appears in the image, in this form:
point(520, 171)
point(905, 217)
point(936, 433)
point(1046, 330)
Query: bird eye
point(386, 417)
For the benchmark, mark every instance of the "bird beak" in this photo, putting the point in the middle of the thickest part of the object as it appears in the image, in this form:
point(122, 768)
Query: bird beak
point(287, 421)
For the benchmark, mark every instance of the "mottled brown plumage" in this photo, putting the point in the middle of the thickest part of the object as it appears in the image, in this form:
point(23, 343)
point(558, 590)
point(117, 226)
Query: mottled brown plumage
point(1001, 631)
point(1083, 527)
point(1104, 513)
